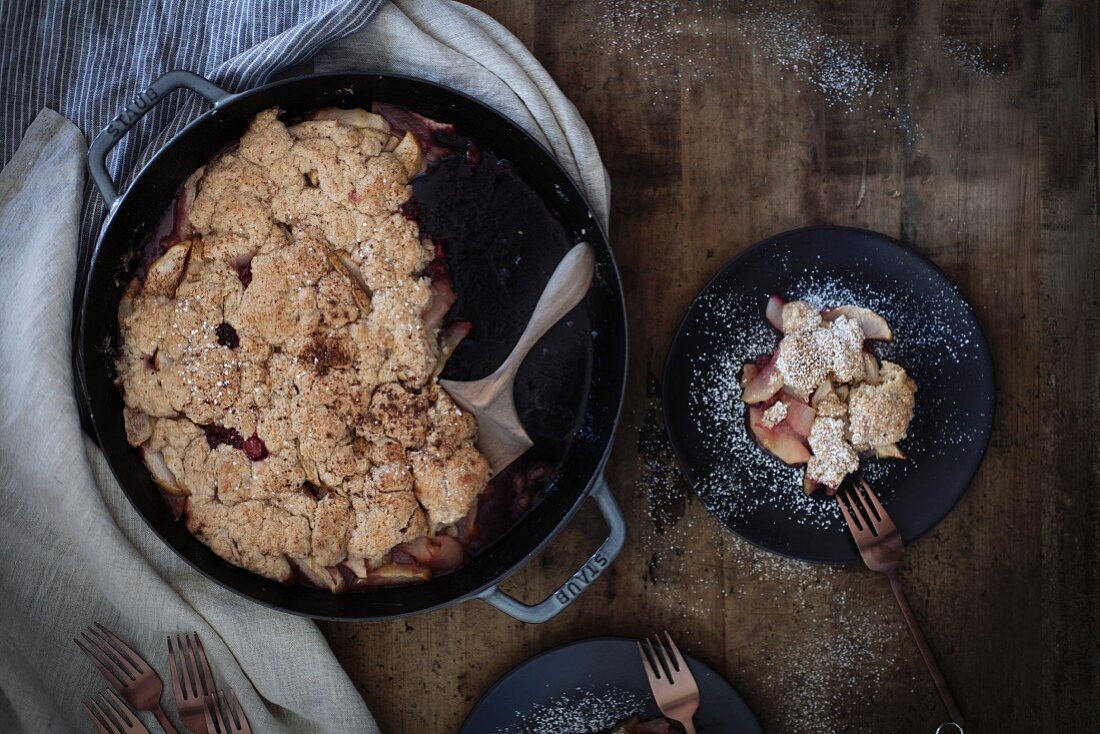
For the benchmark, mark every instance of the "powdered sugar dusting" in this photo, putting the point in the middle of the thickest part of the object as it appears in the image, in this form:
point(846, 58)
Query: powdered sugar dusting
point(743, 478)
point(668, 41)
point(972, 57)
point(843, 72)
point(579, 712)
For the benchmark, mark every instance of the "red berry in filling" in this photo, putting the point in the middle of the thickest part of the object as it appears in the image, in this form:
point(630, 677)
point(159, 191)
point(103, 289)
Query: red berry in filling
point(411, 210)
point(227, 335)
point(217, 435)
point(244, 273)
point(255, 449)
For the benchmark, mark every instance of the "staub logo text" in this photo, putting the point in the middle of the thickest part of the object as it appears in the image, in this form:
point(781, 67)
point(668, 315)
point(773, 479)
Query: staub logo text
point(581, 580)
point(132, 113)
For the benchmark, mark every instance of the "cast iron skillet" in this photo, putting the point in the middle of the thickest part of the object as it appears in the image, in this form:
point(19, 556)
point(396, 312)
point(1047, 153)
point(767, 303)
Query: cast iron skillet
point(589, 377)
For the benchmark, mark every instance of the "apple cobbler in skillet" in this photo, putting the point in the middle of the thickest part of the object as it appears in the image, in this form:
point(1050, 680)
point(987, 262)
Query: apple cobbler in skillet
point(280, 348)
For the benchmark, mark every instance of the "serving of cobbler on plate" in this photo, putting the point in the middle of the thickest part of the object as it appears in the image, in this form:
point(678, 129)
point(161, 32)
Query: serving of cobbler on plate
point(280, 348)
point(822, 398)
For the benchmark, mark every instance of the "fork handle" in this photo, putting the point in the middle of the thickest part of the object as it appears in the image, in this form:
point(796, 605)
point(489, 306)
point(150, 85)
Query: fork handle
point(925, 651)
point(162, 718)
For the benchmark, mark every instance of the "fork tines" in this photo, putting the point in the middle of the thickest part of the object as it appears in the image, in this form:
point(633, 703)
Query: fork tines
point(674, 688)
point(189, 668)
point(114, 659)
point(109, 715)
point(664, 662)
point(861, 507)
point(233, 722)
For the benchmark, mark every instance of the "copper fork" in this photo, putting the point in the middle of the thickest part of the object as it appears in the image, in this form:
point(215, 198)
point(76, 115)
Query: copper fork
point(125, 670)
point(192, 679)
point(880, 545)
point(673, 685)
point(234, 721)
point(110, 715)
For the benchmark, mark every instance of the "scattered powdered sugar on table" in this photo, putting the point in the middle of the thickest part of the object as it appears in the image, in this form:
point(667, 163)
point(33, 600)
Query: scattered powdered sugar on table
point(579, 712)
point(668, 41)
point(842, 71)
point(743, 478)
point(858, 639)
point(972, 56)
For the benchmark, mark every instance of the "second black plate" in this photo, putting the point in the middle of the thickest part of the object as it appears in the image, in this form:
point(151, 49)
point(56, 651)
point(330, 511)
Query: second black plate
point(590, 685)
point(936, 339)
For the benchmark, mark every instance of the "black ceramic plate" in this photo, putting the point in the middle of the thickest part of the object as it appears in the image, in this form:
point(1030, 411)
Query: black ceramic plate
point(936, 339)
point(590, 685)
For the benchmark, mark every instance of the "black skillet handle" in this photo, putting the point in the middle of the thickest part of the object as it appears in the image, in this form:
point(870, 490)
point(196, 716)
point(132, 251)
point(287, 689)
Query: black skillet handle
point(568, 592)
point(141, 104)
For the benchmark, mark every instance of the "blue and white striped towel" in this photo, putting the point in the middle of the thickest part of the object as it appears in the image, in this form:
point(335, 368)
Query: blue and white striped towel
point(86, 60)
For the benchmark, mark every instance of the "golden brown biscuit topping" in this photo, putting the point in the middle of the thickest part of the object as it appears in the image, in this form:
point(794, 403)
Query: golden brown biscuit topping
point(278, 366)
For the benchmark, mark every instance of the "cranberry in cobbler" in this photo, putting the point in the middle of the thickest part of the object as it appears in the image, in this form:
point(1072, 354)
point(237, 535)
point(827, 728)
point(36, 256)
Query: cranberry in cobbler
point(822, 398)
point(280, 348)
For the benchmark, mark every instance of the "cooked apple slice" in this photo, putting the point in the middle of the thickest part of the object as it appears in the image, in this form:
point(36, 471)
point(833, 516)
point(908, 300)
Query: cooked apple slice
point(873, 325)
point(392, 574)
point(764, 385)
point(162, 475)
point(748, 371)
point(447, 554)
point(774, 312)
point(337, 583)
point(824, 390)
point(347, 267)
point(357, 566)
point(809, 486)
point(166, 273)
point(443, 297)
point(800, 417)
point(311, 572)
point(409, 153)
point(782, 442)
point(889, 451)
point(353, 118)
point(870, 369)
point(415, 551)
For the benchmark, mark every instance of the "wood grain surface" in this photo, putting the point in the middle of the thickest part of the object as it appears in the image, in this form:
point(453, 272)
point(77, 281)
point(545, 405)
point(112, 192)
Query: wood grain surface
point(968, 128)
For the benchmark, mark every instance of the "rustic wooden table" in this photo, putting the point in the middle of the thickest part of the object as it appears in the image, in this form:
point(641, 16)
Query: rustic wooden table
point(967, 128)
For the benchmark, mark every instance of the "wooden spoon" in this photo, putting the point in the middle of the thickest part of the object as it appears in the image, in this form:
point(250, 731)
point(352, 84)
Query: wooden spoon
point(501, 436)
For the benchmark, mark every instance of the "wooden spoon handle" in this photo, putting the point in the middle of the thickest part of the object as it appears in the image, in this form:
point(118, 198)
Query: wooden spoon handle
point(565, 289)
point(925, 651)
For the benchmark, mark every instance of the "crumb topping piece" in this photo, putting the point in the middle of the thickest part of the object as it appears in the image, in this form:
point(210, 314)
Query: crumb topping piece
point(799, 316)
point(880, 414)
point(833, 457)
point(808, 356)
point(278, 368)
